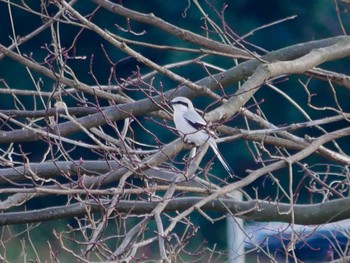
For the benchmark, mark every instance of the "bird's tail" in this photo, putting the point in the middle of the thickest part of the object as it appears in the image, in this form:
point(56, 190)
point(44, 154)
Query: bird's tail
point(221, 158)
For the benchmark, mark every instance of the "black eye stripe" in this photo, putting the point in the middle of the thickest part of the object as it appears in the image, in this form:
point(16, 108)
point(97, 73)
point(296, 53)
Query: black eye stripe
point(180, 102)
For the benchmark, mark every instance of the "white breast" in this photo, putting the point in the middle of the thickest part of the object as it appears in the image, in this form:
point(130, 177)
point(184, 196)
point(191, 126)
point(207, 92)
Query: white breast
point(190, 134)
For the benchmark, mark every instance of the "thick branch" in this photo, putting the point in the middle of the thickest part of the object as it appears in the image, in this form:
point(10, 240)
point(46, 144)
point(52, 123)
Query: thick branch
point(186, 35)
point(51, 169)
point(144, 106)
point(315, 57)
point(256, 210)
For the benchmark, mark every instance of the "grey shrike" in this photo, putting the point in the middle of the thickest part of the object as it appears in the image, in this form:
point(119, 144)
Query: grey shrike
point(194, 129)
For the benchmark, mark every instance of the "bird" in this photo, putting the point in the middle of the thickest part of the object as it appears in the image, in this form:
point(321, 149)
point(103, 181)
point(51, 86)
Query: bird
point(194, 129)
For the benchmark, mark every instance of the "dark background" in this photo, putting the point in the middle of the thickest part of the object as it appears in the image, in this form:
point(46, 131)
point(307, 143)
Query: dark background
point(315, 19)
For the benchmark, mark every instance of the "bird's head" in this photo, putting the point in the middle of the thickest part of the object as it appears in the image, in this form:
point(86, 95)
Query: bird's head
point(181, 104)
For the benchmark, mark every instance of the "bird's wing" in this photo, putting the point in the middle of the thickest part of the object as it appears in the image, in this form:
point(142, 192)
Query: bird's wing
point(195, 120)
